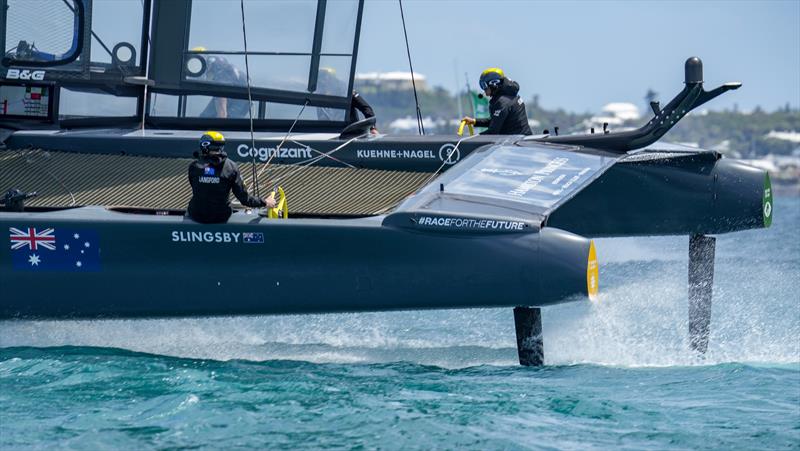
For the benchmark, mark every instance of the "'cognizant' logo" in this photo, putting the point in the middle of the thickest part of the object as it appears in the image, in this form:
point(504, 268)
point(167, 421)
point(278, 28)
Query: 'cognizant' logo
point(264, 153)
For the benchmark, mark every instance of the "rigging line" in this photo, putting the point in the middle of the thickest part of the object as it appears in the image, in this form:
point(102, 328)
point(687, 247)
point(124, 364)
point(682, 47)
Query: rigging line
point(420, 125)
point(308, 163)
point(278, 148)
point(249, 102)
point(323, 155)
point(50, 174)
point(444, 162)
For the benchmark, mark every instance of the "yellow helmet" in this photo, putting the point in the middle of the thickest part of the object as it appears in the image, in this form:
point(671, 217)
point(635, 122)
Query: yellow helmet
point(212, 141)
point(199, 49)
point(492, 76)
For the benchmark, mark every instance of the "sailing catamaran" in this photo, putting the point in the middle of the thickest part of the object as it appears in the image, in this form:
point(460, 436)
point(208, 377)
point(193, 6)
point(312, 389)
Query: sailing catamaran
point(101, 122)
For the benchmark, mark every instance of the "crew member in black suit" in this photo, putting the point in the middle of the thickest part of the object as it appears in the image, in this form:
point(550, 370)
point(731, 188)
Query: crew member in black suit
point(507, 115)
point(358, 103)
point(213, 177)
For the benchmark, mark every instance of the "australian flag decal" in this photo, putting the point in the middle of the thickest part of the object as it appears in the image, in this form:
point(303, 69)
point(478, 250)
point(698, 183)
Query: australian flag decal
point(208, 170)
point(49, 249)
point(252, 237)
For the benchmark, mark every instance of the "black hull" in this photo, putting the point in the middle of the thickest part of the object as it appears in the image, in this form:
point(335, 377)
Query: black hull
point(173, 267)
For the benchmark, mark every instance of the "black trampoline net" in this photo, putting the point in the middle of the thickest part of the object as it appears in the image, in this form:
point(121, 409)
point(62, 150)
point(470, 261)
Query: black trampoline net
point(40, 30)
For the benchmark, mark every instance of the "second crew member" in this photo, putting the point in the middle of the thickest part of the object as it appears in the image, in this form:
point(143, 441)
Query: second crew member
point(507, 115)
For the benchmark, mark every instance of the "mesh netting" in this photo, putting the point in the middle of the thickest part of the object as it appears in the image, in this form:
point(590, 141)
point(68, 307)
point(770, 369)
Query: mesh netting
point(47, 24)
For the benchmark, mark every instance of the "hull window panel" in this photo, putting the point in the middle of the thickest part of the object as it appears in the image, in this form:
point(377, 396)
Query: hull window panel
point(286, 73)
point(334, 73)
point(215, 68)
point(290, 112)
point(78, 104)
point(110, 33)
point(340, 26)
point(165, 105)
point(272, 26)
point(218, 107)
point(279, 72)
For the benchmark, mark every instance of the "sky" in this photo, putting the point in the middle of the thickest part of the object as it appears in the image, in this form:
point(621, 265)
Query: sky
point(580, 55)
point(575, 55)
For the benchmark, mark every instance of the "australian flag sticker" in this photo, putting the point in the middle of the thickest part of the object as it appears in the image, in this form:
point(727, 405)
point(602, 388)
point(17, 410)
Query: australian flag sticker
point(208, 170)
point(252, 237)
point(49, 249)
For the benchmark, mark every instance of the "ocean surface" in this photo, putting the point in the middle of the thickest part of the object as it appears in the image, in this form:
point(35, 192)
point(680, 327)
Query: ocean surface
point(619, 374)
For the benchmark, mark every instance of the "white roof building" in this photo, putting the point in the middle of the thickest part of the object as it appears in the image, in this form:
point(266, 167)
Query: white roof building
point(409, 123)
point(622, 110)
point(791, 136)
point(614, 114)
point(392, 80)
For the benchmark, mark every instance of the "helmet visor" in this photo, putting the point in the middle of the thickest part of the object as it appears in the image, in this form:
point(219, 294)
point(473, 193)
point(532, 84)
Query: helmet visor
point(210, 146)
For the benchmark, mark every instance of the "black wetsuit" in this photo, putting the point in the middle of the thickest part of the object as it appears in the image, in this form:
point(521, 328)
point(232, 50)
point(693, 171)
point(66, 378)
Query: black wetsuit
point(358, 103)
point(212, 183)
point(507, 112)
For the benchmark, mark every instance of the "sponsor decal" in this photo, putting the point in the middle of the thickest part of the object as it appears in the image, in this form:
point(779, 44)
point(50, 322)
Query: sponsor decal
point(264, 153)
point(470, 223)
point(505, 172)
point(534, 180)
point(569, 182)
point(182, 236)
point(372, 153)
point(50, 249)
point(25, 74)
point(767, 202)
point(448, 154)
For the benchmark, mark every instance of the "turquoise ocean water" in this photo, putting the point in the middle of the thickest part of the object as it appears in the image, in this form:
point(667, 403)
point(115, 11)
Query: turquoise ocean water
point(618, 372)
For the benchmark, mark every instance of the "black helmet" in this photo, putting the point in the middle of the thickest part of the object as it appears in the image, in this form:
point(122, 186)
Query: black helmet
point(212, 141)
